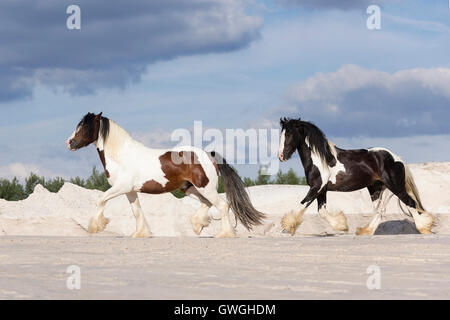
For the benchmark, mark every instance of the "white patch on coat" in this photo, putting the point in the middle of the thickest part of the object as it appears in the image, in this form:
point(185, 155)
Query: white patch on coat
point(324, 170)
point(326, 173)
point(396, 157)
point(338, 168)
point(78, 128)
point(334, 171)
point(131, 164)
point(281, 148)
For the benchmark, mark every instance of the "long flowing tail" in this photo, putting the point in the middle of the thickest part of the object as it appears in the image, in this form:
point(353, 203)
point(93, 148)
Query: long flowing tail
point(237, 196)
point(424, 220)
point(411, 189)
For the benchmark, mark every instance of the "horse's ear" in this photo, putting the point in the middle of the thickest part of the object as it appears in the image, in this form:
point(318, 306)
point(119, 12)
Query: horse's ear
point(283, 121)
point(98, 116)
point(298, 122)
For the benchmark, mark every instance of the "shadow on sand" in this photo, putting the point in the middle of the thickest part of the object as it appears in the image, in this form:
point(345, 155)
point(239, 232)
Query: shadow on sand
point(396, 227)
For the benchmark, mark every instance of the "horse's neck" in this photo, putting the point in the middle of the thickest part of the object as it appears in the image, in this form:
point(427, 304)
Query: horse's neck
point(307, 153)
point(304, 152)
point(118, 139)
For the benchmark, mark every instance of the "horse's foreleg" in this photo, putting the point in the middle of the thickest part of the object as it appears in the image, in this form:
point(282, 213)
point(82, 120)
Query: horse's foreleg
point(99, 222)
point(337, 221)
point(142, 229)
point(292, 220)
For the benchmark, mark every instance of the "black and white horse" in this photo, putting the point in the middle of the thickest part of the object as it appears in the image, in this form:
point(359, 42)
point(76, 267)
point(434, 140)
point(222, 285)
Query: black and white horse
point(132, 167)
point(329, 168)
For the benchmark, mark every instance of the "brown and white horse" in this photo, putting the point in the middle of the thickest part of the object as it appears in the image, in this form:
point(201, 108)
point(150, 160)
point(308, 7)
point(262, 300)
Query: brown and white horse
point(132, 167)
point(329, 168)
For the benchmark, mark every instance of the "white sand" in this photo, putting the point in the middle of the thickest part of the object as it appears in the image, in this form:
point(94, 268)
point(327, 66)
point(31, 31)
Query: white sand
point(300, 267)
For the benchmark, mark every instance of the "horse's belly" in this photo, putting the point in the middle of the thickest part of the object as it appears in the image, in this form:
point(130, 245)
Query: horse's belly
point(347, 182)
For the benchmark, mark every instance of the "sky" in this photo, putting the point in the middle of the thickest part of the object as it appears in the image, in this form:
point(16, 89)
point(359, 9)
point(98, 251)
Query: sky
point(158, 66)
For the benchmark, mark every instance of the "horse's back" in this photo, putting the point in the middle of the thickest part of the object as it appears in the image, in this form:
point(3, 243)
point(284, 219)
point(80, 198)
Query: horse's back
point(361, 170)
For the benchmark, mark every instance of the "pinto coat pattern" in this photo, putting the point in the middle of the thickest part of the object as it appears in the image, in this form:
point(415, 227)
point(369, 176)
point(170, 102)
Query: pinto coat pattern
point(132, 167)
point(329, 168)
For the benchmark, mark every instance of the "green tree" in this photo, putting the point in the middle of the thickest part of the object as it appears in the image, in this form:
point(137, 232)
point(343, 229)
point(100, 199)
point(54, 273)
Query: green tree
point(78, 181)
point(97, 181)
point(31, 182)
point(262, 178)
point(53, 185)
point(11, 190)
point(248, 182)
point(303, 181)
point(289, 177)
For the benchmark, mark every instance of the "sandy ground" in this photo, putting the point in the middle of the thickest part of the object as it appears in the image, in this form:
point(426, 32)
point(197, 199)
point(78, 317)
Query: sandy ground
point(300, 267)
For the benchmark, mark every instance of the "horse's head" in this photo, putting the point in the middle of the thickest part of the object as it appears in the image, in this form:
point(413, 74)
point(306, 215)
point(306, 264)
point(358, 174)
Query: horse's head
point(86, 132)
point(290, 137)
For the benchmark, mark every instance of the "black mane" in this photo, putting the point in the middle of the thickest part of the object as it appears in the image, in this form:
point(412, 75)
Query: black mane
point(316, 138)
point(88, 122)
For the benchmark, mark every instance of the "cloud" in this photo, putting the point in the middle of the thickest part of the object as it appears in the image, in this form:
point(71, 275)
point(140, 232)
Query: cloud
point(424, 25)
point(358, 101)
point(117, 40)
point(23, 170)
point(330, 4)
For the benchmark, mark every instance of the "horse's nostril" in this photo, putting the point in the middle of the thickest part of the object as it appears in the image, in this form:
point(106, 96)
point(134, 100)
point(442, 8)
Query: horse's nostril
point(72, 144)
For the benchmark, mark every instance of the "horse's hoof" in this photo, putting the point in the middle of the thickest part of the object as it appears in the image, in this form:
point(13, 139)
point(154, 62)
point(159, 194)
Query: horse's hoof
point(198, 224)
point(340, 222)
point(424, 222)
point(142, 234)
point(364, 231)
point(97, 225)
point(225, 234)
point(290, 222)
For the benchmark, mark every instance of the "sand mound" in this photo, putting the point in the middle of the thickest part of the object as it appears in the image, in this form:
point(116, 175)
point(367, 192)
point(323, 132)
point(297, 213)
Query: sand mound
point(67, 213)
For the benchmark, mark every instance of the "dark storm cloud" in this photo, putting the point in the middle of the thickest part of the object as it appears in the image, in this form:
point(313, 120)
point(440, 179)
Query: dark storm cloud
point(117, 40)
point(354, 101)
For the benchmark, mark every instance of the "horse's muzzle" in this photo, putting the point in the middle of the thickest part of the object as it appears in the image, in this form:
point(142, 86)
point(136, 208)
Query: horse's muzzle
point(71, 145)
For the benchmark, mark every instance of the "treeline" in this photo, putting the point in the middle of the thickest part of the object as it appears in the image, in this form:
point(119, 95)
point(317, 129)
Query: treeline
point(290, 177)
point(14, 190)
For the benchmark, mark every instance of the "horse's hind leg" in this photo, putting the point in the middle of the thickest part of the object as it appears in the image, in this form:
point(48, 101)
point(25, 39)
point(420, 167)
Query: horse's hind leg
point(201, 218)
point(396, 183)
point(210, 193)
point(337, 221)
point(380, 197)
point(142, 230)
